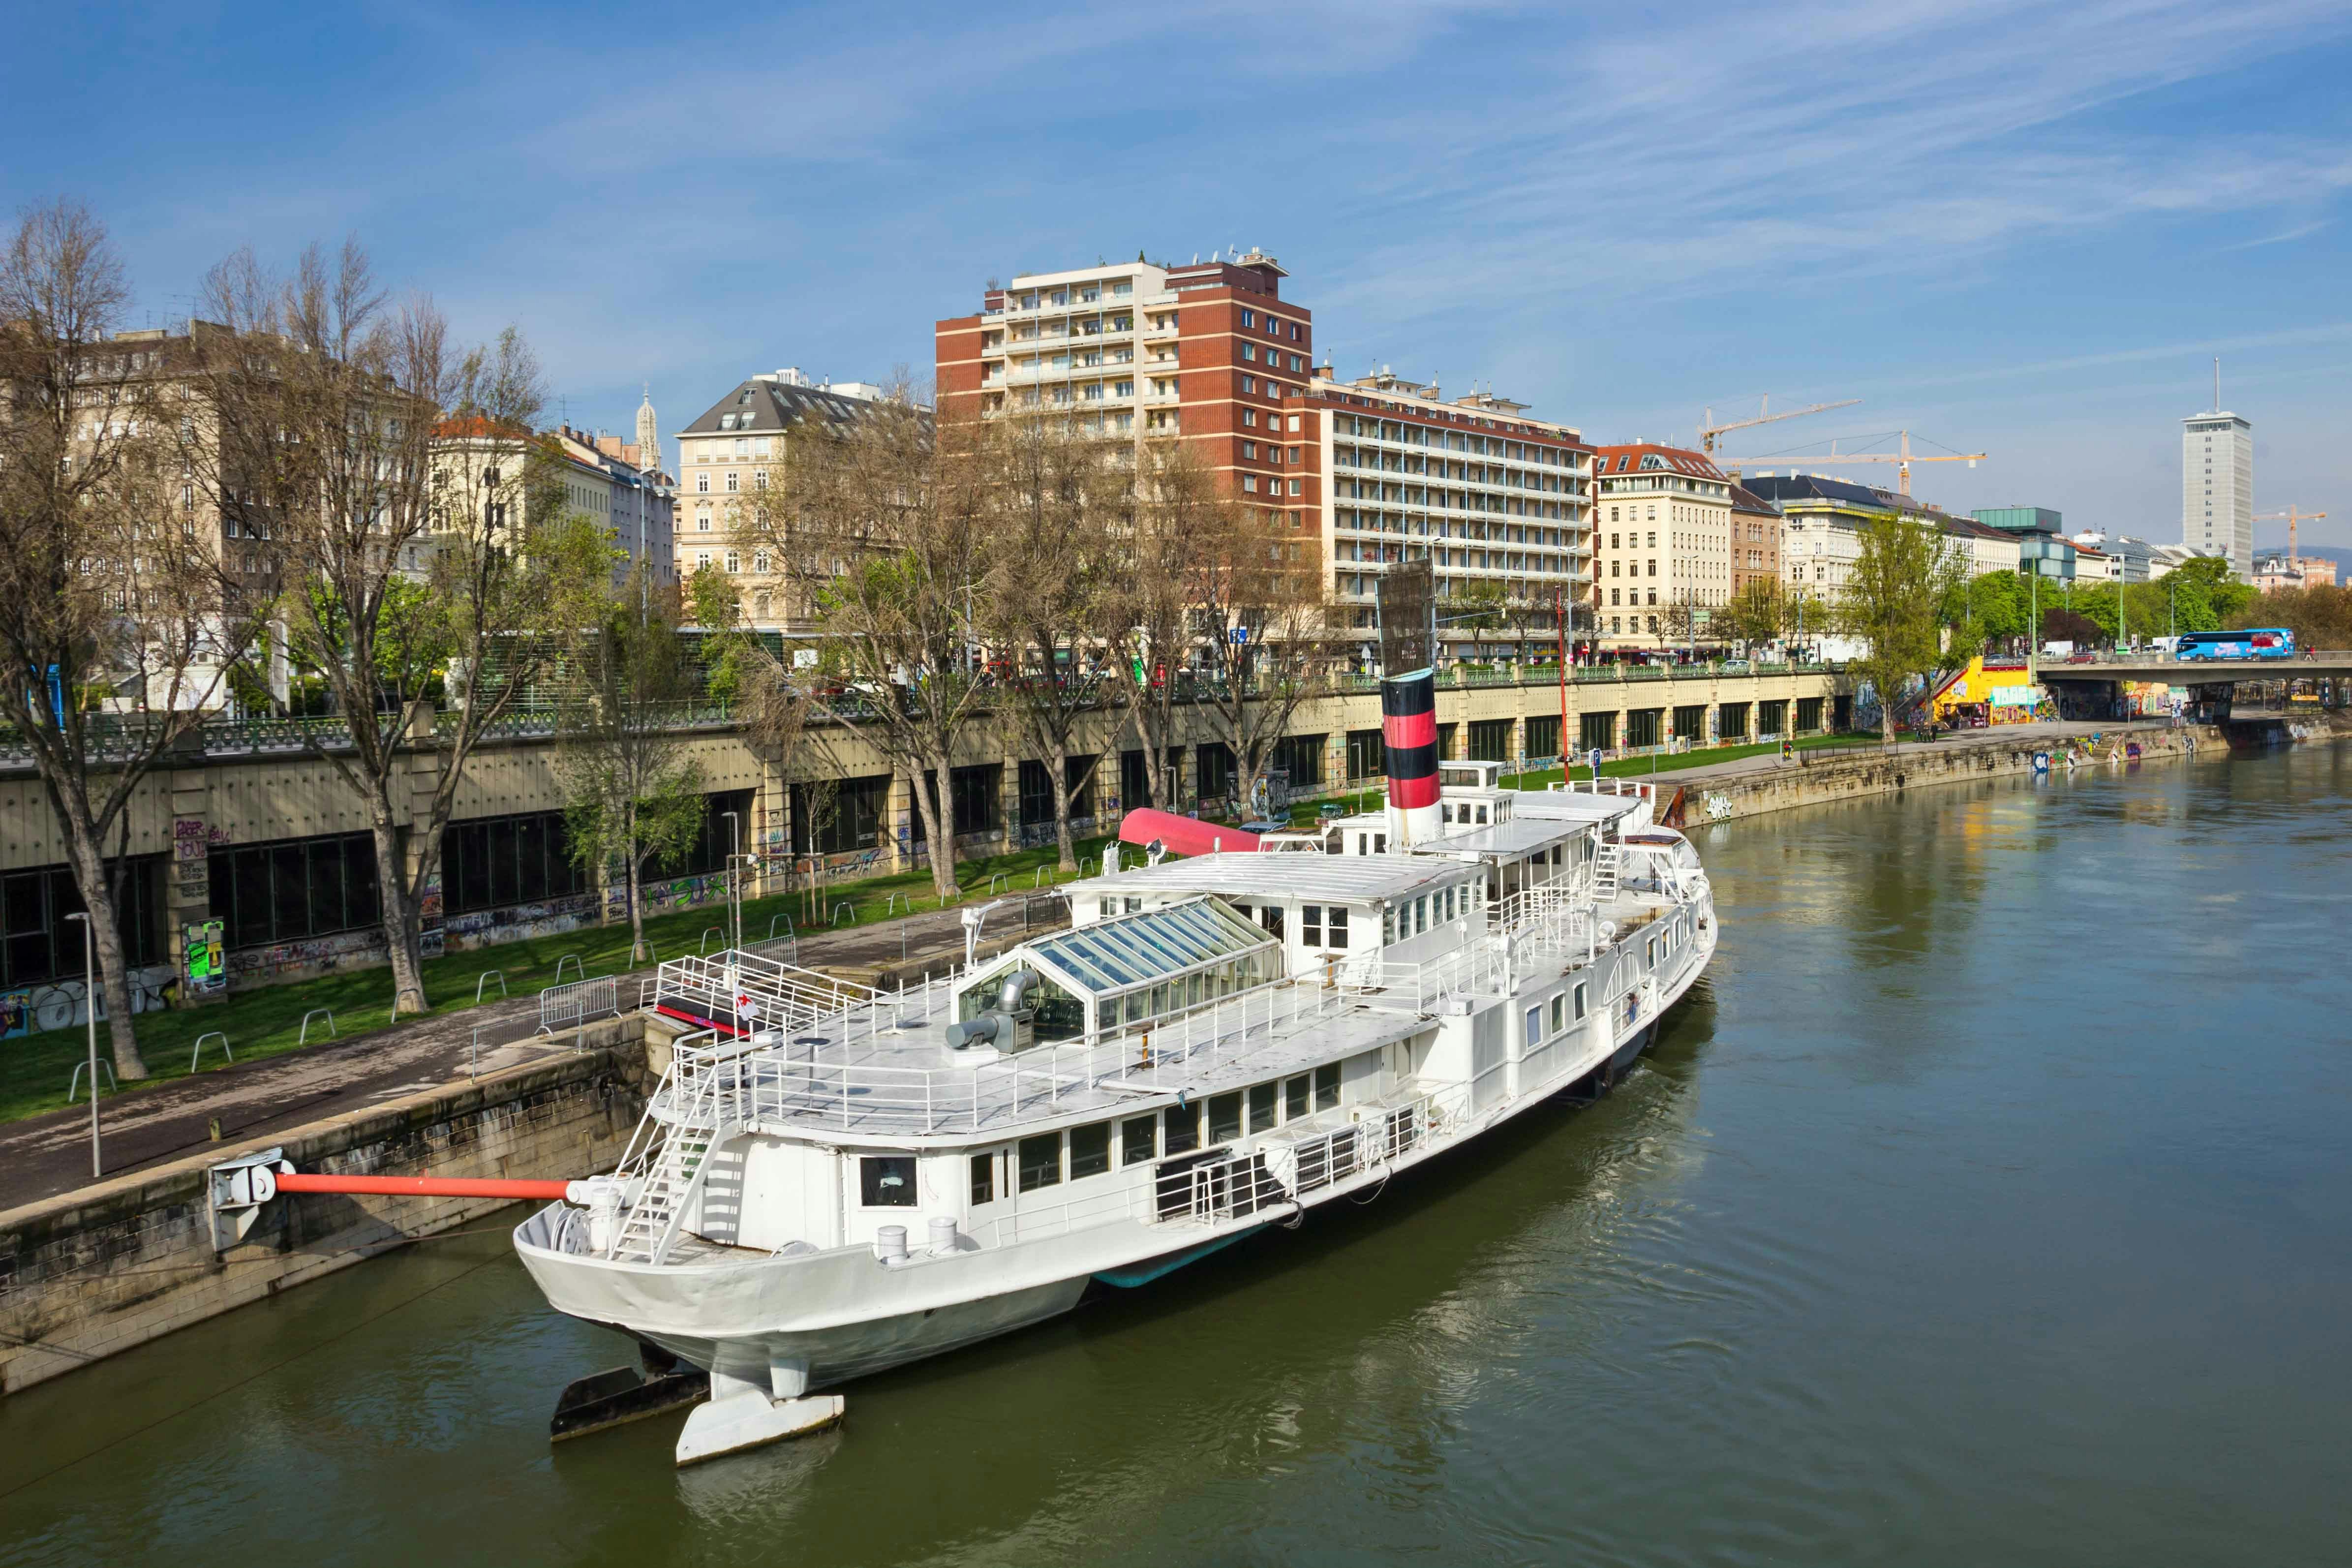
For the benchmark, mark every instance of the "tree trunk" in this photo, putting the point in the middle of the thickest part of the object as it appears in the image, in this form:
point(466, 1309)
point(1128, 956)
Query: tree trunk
point(401, 918)
point(636, 912)
point(114, 985)
point(941, 836)
point(1068, 853)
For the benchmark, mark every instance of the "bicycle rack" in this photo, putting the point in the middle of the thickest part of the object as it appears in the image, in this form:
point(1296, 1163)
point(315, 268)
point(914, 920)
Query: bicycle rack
point(328, 1013)
point(487, 975)
point(788, 927)
point(573, 959)
point(844, 906)
point(653, 954)
point(704, 950)
point(891, 905)
point(995, 884)
point(74, 1087)
point(209, 1035)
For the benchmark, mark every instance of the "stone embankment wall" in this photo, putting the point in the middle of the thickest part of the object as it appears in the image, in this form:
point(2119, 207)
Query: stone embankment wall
point(1947, 762)
point(92, 1272)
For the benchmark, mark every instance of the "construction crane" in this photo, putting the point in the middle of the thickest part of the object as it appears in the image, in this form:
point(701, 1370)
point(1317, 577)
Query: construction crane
point(1905, 457)
point(2293, 516)
point(1764, 416)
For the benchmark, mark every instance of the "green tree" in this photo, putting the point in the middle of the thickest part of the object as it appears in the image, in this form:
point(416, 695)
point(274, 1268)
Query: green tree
point(1898, 582)
point(1757, 613)
point(633, 793)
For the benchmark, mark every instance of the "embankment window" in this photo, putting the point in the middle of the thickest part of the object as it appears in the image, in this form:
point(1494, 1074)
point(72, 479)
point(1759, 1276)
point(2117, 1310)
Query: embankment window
point(974, 793)
point(886, 1181)
point(38, 944)
point(1490, 740)
point(1690, 723)
point(1368, 756)
point(1731, 721)
point(503, 860)
point(718, 838)
point(1543, 736)
point(1213, 770)
point(310, 886)
point(836, 817)
point(1302, 757)
point(1809, 714)
point(1596, 731)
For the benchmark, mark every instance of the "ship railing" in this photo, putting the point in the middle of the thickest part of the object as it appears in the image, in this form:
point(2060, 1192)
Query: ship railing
point(1034, 1222)
point(787, 995)
point(815, 1083)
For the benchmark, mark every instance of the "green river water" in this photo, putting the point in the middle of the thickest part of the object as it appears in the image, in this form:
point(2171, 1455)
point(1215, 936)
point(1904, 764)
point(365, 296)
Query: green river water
point(1990, 1202)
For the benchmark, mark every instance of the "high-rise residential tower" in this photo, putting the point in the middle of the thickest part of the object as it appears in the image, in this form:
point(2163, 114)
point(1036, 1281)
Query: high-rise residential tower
point(2217, 487)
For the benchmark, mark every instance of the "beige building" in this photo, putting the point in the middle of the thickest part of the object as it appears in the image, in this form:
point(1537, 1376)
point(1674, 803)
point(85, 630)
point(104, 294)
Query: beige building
point(1663, 526)
point(724, 460)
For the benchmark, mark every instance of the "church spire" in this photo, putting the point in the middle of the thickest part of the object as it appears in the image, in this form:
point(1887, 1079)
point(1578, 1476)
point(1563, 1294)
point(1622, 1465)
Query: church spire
point(648, 433)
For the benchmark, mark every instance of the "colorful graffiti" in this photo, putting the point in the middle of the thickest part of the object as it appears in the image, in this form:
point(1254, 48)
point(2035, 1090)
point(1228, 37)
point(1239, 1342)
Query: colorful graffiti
point(206, 957)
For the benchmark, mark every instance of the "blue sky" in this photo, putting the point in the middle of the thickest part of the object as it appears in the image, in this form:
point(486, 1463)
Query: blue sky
point(2023, 228)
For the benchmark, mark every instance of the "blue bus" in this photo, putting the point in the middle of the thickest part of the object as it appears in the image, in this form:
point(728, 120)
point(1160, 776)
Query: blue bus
point(2266, 642)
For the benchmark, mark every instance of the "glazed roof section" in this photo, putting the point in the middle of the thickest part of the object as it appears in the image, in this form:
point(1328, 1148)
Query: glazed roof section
point(1127, 951)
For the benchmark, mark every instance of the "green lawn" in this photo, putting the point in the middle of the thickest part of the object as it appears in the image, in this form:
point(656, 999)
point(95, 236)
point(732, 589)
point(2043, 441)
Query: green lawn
point(1673, 762)
point(268, 1020)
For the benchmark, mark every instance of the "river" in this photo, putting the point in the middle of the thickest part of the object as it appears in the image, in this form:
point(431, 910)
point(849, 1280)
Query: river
point(1992, 1202)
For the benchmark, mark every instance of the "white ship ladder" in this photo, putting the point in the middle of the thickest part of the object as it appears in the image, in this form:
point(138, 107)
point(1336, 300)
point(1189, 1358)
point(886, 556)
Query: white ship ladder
point(651, 1226)
point(1604, 871)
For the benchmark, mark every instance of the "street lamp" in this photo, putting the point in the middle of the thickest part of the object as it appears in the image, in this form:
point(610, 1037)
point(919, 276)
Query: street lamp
point(734, 886)
point(89, 1007)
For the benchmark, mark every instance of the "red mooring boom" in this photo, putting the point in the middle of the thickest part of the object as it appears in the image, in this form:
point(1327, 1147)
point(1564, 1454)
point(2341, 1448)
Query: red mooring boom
point(420, 1186)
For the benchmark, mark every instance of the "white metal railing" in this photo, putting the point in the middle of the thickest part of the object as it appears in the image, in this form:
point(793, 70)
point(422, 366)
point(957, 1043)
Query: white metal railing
point(787, 997)
point(796, 1084)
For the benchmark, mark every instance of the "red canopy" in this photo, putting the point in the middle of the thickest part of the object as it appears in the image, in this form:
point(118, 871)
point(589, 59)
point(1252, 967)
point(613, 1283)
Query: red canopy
point(1183, 834)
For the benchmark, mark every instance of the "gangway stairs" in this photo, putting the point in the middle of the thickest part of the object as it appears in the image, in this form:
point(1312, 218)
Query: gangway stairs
point(697, 1127)
point(1605, 869)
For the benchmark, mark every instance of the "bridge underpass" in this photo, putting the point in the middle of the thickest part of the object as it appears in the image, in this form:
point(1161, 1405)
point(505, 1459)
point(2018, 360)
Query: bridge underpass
point(2275, 690)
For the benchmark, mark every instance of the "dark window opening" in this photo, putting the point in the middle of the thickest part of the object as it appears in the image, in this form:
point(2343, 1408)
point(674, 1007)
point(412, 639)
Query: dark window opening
point(502, 860)
point(39, 944)
point(264, 893)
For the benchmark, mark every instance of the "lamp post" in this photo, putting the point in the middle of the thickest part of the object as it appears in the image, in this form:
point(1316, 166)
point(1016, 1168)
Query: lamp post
point(90, 1009)
point(734, 885)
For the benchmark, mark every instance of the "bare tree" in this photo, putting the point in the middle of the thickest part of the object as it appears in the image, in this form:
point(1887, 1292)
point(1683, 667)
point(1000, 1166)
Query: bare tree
point(116, 639)
point(881, 524)
point(1262, 646)
point(1057, 498)
point(416, 530)
point(1174, 507)
point(633, 792)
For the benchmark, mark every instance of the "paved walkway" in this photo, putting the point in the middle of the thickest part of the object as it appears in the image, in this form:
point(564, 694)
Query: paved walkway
point(2006, 735)
point(45, 1155)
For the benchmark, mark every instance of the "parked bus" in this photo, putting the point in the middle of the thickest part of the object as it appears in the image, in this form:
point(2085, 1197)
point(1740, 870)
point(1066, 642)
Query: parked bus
point(2267, 642)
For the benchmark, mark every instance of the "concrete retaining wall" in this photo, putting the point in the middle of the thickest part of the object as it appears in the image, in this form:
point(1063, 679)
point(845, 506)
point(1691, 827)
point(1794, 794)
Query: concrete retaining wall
point(89, 1273)
point(1977, 756)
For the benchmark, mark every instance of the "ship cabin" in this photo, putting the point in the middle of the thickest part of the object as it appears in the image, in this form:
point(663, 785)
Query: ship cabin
point(1522, 839)
point(1326, 912)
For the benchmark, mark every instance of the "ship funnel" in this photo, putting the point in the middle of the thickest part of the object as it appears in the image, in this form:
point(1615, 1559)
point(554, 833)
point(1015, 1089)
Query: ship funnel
point(1409, 729)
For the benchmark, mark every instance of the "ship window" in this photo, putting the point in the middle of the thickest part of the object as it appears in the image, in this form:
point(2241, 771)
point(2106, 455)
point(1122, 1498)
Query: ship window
point(1336, 927)
point(1310, 924)
point(1327, 1086)
point(1041, 1162)
point(1224, 1117)
point(1579, 1001)
point(886, 1181)
point(1559, 1014)
point(1535, 1024)
point(1138, 1136)
point(983, 1178)
point(1261, 1106)
point(1184, 1122)
point(1295, 1092)
point(1089, 1151)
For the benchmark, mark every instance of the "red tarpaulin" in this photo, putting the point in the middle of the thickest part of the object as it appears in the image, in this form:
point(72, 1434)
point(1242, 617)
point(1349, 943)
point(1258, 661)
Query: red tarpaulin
point(1183, 835)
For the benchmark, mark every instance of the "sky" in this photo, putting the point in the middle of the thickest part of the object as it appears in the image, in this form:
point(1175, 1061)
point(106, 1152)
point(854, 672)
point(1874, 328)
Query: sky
point(2023, 229)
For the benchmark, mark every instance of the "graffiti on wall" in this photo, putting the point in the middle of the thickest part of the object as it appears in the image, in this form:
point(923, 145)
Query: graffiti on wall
point(204, 964)
point(32, 1009)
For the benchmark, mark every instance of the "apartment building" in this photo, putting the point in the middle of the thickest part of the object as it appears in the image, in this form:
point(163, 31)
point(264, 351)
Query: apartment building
point(725, 456)
point(1366, 473)
point(598, 477)
point(1819, 541)
point(2217, 487)
point(1663, 527)
point(1755, 539)
point(621, 483)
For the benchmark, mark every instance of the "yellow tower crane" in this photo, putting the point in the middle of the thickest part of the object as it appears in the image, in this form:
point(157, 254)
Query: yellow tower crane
point(1905, 457)
point(1764, 416)
point(2293, 516)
